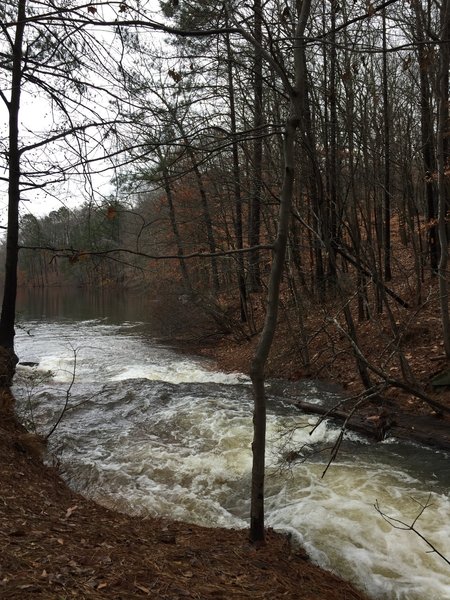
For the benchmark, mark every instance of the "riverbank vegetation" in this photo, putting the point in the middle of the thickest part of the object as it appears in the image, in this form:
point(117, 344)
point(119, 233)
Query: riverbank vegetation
point(202, 175)
point(393, 350)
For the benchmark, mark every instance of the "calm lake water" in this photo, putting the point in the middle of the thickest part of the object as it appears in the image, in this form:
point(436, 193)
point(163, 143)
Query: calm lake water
point(153, 432)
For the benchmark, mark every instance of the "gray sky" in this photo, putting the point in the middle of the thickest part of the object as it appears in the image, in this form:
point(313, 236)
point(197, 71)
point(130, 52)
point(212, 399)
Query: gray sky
point(36, 117)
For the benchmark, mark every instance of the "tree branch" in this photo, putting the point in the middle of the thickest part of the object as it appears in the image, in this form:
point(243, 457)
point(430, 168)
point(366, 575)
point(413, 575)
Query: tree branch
point(399, 524)
point(78, 254)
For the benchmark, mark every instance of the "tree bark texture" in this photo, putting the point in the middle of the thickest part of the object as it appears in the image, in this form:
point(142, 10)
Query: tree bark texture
point(295, 117)
point(255, 206)
point(8, 314)
point(442, 159)
point(427, 137)
point(238, 226)
point(387, 161)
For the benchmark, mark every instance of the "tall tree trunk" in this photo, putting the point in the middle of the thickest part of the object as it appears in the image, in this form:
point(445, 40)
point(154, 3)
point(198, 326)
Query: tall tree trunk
point(8, 313)
point(330, 226)
point(353, 205)
point(208, 224)
point(204, 204)
point(237, 186)
point(175, 230)
point(258, 119)
point(442, 159)
point(316, 188)
point(295, 118)
point(427, 137)
point(387, 161)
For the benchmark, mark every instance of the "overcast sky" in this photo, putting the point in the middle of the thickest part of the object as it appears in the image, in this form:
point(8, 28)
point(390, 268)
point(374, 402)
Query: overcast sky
point(36, 117)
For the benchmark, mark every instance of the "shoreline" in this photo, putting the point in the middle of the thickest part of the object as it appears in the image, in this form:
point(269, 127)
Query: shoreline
point(173, 540)
point(58, 544)
point(391, 414)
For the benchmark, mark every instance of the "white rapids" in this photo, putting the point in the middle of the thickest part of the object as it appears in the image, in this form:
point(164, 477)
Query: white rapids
point(150, 431)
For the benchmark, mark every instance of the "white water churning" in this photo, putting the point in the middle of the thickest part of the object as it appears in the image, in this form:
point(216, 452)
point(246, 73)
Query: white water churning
point(150, 431)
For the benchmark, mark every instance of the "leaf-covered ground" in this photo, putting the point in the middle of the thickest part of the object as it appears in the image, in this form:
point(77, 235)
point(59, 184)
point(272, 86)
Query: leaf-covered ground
point(332, 359)
point(56, 545)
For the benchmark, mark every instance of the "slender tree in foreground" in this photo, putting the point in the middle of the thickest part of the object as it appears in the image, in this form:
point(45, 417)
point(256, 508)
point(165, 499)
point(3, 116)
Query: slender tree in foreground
point(296, 118)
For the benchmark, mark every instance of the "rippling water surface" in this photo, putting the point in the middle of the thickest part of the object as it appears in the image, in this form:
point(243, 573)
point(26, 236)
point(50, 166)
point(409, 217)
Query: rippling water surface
point(150, 431)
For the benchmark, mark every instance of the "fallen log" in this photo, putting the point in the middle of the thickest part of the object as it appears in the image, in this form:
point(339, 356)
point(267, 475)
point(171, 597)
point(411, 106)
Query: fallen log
point(372, 426)
point(428, 430)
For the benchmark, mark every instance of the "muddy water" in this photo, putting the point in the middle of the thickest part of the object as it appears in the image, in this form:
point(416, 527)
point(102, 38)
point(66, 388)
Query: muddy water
point(151, 432)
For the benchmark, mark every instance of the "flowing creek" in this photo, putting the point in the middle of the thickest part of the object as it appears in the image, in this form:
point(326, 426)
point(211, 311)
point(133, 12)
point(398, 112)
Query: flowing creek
point(153, 432)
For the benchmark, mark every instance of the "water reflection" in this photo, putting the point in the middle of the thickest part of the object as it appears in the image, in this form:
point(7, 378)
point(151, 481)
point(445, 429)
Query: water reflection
point(165, 317)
